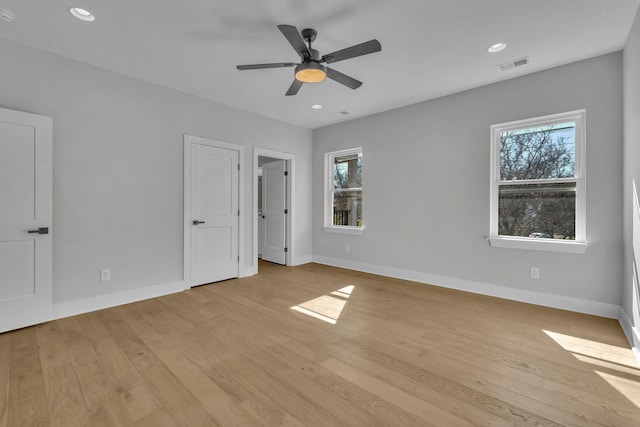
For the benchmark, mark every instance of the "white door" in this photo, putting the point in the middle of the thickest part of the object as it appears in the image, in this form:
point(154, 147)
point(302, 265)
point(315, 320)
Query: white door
point(274, 205)
point(25, 219)
point(261, 229)
point(214, 214)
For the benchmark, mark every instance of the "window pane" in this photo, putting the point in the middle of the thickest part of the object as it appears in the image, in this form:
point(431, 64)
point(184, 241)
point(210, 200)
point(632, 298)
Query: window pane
point(541, 211)
point(347, 208)
point(538, 153)
point(347, 171)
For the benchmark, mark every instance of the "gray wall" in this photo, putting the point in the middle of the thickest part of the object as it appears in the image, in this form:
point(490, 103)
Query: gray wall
point(118, 168)
point(631, 299)
point(426, 184)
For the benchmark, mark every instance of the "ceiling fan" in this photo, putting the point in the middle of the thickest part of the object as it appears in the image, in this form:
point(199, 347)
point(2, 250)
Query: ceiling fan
point(311, 69)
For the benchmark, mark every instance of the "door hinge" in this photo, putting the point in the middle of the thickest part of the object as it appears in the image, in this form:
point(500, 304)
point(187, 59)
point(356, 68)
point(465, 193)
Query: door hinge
point(286, 211)
point(238, 166)
point(286, 249)
point(286, 173)
point(238, 258)
point(238, 212)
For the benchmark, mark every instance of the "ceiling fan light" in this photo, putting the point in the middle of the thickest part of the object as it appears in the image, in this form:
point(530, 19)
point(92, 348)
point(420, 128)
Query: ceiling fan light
point(310, 72)
point(82, 14)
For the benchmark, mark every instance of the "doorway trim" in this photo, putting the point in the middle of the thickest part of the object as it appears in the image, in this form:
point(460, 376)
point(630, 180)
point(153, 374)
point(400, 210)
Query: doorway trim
point(188, 141)
point(290, 158)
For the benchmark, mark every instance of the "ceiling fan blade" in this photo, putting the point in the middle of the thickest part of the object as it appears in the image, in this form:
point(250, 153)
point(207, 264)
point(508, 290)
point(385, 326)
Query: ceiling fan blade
point(351, 52)
point(261, 66)
point(337, 76)
point(292, 34)
point(294, 88)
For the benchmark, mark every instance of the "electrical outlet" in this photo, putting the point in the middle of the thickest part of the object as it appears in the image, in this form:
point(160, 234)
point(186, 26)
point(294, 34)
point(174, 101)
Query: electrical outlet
point(346, 248)
point(535, 272)
point(105, 275)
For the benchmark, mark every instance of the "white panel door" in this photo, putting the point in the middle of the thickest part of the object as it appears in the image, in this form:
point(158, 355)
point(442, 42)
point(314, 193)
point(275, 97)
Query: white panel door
point(214, 214)
point(274, 204)
point(25, 219)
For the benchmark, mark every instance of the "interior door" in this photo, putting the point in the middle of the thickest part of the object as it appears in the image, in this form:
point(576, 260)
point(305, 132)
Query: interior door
point(25, 219)
point(274, 205)
point(214, 214)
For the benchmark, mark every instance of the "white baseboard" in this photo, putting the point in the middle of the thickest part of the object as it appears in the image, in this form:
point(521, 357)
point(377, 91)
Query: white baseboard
point(595, 308)
point(85, 305)
point(631, 332)
point(249, 271)
point(302, 260)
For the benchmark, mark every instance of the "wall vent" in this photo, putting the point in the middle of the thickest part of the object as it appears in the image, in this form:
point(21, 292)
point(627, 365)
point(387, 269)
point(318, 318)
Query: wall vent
point(515, 63)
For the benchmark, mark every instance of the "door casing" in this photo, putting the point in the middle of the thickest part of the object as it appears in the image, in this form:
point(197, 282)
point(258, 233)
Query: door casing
point(291, 217)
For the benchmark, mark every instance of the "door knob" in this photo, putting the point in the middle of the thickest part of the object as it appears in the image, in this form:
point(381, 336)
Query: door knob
point(196, 222)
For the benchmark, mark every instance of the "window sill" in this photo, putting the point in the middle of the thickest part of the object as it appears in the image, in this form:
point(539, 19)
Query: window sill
point(356, 231)
point(548, 245)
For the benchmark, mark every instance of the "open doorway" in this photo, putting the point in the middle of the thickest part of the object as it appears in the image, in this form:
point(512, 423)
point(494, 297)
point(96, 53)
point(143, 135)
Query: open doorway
point(273, 216)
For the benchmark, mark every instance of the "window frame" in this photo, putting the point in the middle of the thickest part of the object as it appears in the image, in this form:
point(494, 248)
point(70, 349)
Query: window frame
point(578, 245)
point(329, 190)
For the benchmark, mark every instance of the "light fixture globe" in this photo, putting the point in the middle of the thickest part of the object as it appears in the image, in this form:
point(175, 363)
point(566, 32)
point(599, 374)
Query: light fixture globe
point(311, 72)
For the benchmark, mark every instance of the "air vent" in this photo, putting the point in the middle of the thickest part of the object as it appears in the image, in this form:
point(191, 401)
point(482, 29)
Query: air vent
point(515, 63)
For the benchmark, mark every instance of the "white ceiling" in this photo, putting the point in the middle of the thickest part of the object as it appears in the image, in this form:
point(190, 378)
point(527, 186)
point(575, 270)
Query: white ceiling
point(430, 48)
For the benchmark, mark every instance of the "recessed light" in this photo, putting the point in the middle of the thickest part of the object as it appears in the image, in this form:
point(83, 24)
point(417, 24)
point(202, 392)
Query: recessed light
point(6, 15)
point(316, 106)
point(82, 14)
point(497, 47)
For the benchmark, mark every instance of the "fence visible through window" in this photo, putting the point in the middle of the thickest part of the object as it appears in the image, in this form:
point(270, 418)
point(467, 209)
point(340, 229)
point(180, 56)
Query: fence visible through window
point(341, 217)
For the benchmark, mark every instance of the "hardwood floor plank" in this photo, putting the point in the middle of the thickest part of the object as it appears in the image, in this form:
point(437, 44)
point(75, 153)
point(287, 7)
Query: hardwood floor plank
point(289, 399)
point(135, 395)
point(53, 351)
point(78, 346)
point(28, 401)
point(103, 403)
point(216, 401)
point(65, 400)
point(27, 395)
point(438, 388)
point(5, 366)
point(180, 403)
point(159, 418)
point(426, 411)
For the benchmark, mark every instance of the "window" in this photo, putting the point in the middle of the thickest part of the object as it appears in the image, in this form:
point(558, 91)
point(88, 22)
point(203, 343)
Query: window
point(538, 183)
point(343, 191)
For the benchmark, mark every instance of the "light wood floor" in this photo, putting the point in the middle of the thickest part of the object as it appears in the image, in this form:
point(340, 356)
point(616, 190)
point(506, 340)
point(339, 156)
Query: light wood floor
point(379, 352)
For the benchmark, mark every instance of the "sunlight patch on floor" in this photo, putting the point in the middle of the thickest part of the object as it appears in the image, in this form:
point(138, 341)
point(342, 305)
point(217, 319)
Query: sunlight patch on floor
point(626, 387)
point(615, 365)
point(327, 308)
point(608, 364)
point(592, 348)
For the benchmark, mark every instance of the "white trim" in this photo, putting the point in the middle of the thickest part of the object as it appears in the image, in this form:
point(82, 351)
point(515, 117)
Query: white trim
point(549, 245)
point(188, 141)
point(249, 271)
point(344, 229)
point(302, 260)
point(100, 302)
point(291, 183)
point(538, 298)
point(577, 116)
point(631, 332)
